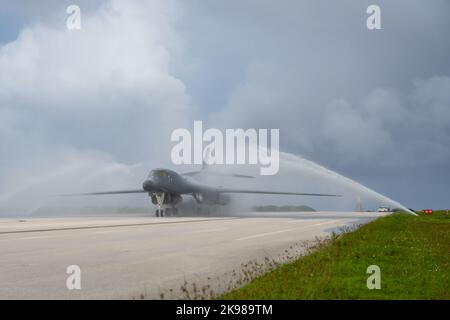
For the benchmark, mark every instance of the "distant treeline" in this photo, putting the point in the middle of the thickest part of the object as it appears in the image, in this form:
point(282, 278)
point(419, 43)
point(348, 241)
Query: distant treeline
point(272, 208)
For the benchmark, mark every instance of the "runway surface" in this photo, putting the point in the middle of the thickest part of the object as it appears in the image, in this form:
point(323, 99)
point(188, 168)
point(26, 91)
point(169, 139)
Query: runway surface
point(126, 257)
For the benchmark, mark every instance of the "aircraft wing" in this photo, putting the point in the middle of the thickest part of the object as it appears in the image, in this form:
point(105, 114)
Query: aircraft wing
point(224, 190)
point(104, 193)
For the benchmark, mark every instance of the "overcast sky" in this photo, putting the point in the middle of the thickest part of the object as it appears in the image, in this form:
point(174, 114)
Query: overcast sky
point(372, 105)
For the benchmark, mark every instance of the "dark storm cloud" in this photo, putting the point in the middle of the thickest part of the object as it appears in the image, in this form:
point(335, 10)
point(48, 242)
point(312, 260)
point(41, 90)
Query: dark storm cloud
point(366, 103)
point(373, 105)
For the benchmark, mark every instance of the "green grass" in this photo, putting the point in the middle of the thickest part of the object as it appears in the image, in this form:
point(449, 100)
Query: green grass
point(413, 254)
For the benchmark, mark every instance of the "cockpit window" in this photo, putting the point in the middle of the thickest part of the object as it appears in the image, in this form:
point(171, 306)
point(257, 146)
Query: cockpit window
point(157, 173)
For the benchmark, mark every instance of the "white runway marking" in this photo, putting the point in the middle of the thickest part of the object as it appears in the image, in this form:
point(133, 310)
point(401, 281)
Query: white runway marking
point(320, 224)
point(264, 234)
point(305, 220)
point(285, 230)
point(210, 230)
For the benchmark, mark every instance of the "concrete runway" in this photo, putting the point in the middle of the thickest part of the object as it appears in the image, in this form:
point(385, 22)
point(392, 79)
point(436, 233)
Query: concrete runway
point(124, 257)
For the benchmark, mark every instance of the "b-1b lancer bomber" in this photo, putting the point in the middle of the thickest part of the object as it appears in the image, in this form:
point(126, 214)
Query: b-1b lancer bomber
point(166, 188)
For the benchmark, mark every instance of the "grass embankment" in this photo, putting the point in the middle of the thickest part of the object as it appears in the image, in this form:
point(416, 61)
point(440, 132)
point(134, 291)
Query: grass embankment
point(413, 254)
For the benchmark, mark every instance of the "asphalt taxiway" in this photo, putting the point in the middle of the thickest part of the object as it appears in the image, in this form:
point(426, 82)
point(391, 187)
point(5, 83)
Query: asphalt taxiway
point(129, 257)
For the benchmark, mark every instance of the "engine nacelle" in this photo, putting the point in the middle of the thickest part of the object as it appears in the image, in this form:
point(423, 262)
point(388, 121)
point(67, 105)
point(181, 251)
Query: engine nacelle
point(212, 198)
point(224, 199)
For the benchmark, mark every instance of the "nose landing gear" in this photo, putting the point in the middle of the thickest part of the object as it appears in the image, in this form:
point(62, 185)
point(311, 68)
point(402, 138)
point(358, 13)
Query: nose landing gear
point(165, 211)
point(165, 204)
point(159, 197)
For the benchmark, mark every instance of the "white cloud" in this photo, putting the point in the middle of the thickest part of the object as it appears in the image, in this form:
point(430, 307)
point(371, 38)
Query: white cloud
point(107, 87)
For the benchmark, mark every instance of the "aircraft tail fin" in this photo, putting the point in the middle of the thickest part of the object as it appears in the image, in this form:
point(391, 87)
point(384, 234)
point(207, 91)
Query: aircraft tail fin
point(206, 171)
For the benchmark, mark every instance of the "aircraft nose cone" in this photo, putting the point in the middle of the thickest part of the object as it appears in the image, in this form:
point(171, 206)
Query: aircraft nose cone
point(147, 185)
